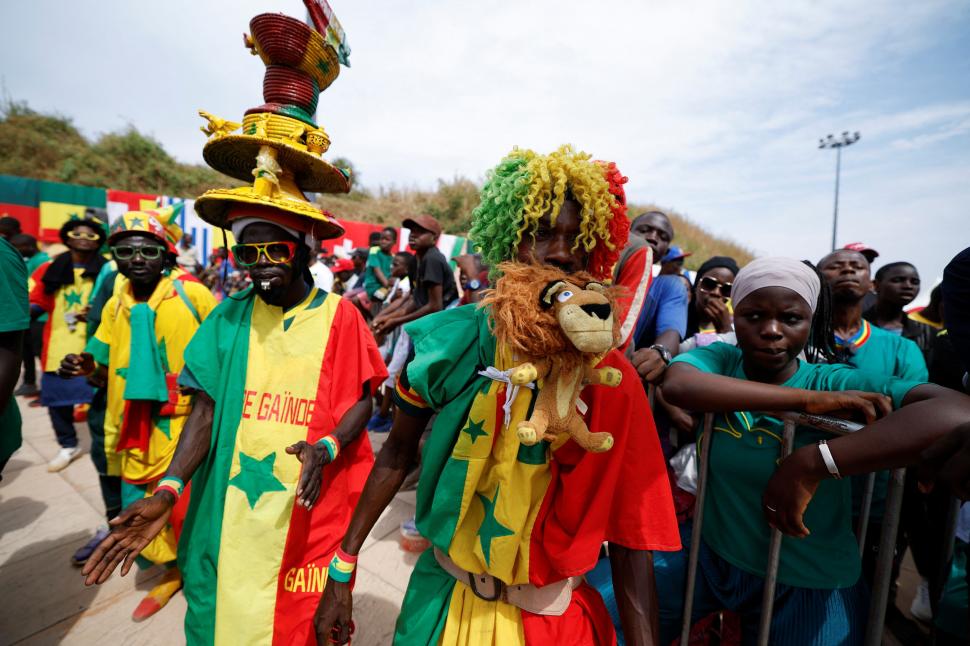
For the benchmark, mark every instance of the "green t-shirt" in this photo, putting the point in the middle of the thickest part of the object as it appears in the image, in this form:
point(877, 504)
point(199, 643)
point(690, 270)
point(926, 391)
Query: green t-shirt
point(891, 355)
point(379, 259)
point(14, 316)
point(744, 453)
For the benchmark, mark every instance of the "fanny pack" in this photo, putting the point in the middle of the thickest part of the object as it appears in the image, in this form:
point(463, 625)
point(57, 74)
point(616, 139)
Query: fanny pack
point(551, 600)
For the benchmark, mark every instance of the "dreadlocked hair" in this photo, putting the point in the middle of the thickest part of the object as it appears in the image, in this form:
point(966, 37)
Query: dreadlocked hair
point(821, 347)
point(526, 186)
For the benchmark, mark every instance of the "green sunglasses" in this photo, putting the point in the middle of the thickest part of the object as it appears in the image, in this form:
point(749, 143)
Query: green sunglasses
point(127, 252)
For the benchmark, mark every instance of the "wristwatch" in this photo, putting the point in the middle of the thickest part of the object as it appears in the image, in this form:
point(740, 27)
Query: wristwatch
point(664, 353)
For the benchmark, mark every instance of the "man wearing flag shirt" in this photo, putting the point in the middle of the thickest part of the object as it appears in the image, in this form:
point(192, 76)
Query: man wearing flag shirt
point(62, 289)
point(138, 352)
point(282, 374)
point(514, 528)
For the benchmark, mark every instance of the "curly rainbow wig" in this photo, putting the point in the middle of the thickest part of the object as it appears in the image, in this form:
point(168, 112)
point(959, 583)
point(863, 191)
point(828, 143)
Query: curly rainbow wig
point(526, 186)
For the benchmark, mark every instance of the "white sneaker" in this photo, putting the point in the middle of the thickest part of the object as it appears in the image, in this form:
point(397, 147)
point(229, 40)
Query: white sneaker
point(63, 458)
point(921, 608)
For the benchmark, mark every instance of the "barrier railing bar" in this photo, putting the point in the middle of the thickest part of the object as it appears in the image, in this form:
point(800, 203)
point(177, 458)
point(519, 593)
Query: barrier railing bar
point(704, 454)
point(884, 563)
point(863, 527)
point(881, 584)
point(774, 550)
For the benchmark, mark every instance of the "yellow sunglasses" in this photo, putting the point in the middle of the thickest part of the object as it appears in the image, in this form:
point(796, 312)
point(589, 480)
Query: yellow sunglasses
point(80, 235)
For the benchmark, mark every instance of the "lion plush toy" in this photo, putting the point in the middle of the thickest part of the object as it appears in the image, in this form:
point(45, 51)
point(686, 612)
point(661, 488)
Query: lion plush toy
point(561, 325)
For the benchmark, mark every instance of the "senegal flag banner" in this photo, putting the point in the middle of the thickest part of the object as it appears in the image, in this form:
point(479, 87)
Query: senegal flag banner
point(62, 202)
point(525, 515)
point(18, 199)
point(255, 563)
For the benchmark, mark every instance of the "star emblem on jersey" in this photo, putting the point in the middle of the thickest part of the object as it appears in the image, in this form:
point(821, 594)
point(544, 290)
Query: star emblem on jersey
point(256, 477)
point(490, 528)
point(72, 297)
point(475, 429)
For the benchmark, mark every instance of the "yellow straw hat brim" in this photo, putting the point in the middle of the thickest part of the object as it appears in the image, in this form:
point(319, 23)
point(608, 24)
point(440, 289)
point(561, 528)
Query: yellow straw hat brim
point(214, 206)
point(235, 155)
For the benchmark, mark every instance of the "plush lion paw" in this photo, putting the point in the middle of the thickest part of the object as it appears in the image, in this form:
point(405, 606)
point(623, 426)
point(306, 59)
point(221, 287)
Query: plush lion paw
point(605, 444)
point(523, 374)
point(527, 433)
point(610, 377)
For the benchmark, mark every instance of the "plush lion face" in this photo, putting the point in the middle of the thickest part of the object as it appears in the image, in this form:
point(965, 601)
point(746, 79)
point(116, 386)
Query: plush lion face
point(532, 313)
point(584, 313)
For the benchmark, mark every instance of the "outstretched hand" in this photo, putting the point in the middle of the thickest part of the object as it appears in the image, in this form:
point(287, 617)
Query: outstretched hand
point(131, 531)
point(333, 619)
point(849, 403)
point(314, 458)
point(789, 491)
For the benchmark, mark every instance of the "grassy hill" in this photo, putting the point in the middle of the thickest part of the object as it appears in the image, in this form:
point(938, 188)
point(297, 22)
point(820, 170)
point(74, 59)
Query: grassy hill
point(50, 147)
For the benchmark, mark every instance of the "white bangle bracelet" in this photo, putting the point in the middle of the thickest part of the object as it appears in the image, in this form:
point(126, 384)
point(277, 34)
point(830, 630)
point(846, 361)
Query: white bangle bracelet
point(823, 448)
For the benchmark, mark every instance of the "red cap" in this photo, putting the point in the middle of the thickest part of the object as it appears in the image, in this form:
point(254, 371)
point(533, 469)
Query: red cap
point(870, 253)
point(425, 222)
point(343, 264)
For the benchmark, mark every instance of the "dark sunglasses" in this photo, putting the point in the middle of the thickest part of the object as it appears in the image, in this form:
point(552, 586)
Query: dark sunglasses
point(277, 253)
point(126, 252)
point(712, 285)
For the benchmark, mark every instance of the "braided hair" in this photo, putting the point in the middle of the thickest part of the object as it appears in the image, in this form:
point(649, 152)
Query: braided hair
point(821, 346)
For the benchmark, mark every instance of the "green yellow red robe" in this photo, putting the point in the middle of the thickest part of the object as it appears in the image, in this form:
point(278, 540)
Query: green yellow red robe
point(254, 562)
point(523, 514)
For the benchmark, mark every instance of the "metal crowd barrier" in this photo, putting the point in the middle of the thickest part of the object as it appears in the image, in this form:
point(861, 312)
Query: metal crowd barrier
point(887, 542)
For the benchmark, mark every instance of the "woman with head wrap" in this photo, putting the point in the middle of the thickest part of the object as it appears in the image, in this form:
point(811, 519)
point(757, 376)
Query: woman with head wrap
point(779, 309)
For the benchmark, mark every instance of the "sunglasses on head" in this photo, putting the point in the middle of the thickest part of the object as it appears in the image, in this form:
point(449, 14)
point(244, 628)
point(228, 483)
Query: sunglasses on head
point(127, 252)
point(81, 235)
point(712, 285)
point(277, 253)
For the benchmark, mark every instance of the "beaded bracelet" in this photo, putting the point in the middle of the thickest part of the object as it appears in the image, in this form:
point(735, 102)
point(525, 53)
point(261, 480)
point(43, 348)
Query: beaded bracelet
point(171, 484)
point(331, 445)
point(342, 566)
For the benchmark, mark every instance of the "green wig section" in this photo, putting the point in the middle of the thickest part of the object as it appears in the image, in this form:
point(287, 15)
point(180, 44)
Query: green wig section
point(526, 186)
point(497, 220)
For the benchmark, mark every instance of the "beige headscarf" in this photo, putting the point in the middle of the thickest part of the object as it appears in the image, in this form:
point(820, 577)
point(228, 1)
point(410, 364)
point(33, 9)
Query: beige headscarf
point(777, 272)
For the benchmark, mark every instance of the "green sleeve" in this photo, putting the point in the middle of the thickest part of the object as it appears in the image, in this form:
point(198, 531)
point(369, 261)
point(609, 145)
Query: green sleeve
point(841, 377)
point(717, 358)
point(450, 347)
point(15, 313)
point(221, 336)
point(910, 364)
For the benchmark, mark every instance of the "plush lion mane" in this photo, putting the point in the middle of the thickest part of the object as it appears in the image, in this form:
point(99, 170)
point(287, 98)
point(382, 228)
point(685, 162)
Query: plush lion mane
point(518, 320)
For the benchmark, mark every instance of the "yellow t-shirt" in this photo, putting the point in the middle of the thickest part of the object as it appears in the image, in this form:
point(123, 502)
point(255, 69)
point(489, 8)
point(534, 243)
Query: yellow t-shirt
point(175, 324)
point(64, 338)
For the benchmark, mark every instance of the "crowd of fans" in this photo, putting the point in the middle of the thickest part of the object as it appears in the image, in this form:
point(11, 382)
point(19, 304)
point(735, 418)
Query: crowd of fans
point(687, 314)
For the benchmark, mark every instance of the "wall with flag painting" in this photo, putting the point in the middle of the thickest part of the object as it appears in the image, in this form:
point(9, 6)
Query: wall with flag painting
point(42, 207)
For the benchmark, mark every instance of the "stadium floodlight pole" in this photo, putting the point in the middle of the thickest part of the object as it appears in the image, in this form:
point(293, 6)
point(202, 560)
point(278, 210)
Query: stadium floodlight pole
point(832, 142)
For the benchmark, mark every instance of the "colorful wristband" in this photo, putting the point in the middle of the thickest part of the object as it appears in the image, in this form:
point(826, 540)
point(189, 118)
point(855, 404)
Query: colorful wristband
point(342, 566)
point(331, 445)
point(172, 484)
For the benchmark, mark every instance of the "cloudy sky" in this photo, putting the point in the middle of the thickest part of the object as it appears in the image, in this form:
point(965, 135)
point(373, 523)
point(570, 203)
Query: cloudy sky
point(711, 108)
